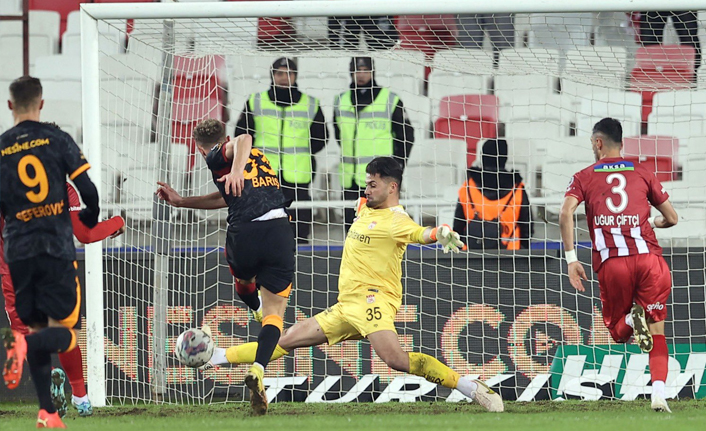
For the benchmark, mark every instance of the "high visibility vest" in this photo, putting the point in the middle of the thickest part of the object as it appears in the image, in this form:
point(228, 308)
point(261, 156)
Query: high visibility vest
point(506, 210)
point(283, 135)
point(364, 134)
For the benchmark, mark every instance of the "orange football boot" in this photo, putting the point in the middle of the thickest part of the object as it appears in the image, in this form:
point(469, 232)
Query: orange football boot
point(49, 420)
point(16, 347)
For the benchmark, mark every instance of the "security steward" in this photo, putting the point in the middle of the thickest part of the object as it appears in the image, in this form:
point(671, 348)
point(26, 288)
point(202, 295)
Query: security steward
point(289, 127)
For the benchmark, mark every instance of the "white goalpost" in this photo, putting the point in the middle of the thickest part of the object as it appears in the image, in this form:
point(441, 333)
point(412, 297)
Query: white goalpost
point(152, 71)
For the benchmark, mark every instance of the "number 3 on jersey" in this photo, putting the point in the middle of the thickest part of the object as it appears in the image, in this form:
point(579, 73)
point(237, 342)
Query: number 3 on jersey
point(618, 190)
point(39, 179)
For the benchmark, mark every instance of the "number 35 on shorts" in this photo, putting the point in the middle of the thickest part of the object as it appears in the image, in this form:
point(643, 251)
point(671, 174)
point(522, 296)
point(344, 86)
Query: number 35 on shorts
point(373, 313)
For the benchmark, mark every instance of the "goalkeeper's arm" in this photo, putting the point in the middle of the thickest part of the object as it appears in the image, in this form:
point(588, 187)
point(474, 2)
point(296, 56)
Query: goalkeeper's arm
point(445, 236)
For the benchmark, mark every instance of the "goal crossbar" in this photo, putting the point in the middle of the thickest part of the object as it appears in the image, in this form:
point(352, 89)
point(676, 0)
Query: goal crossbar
point(370, 8)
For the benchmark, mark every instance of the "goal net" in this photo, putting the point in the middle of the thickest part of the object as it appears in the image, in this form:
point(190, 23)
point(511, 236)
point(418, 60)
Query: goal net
point(457, 94)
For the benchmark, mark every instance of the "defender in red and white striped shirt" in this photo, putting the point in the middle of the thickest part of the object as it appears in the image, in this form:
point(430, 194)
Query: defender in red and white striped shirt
point(633, 277)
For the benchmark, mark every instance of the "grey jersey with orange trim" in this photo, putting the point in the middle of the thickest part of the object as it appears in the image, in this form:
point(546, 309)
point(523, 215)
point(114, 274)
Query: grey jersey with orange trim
point(35, 160)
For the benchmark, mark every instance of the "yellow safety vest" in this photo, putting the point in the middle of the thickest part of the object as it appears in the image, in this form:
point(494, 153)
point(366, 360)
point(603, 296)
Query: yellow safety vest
point(364, 134)
point(283, 135)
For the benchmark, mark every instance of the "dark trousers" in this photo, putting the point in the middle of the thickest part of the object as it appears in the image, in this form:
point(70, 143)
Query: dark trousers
point(351, 194)
point(378, 31)
point(301, 218)
point(685, 23)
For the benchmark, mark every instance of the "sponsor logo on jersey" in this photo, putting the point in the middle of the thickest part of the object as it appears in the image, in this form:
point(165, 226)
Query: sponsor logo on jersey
point(372, 225)
point(17, 147)
point(370, 299)
point(614, 167)
point(655, 306)
point(357, 236)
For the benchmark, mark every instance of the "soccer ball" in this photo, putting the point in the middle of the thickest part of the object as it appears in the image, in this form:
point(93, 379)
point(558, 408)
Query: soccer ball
point(194, 347)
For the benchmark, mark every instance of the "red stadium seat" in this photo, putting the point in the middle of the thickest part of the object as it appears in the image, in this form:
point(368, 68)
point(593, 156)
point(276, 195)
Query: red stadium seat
point(64, 7)
point(198, 94)
point(470, 117)
point(659, 152)
point(427, 33)
point(661, 68)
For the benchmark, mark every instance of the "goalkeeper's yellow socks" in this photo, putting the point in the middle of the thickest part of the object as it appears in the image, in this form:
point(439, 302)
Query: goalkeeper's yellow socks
point(431, 369)
point(245, 353)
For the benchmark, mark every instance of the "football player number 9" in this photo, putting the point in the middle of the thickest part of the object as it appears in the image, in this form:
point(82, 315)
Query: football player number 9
point(39, 179)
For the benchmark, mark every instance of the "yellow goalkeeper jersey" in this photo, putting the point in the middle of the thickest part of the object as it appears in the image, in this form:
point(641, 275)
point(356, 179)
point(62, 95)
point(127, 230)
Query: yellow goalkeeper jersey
point(372, 253)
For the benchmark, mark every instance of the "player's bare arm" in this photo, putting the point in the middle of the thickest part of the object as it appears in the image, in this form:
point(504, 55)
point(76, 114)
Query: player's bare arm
point(566, 224)
point(668, 218)
point(238, 150)
point(211, 201)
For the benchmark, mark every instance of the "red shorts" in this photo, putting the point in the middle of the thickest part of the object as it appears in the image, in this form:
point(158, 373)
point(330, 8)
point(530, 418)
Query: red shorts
point(8, 292)
point(641, 279)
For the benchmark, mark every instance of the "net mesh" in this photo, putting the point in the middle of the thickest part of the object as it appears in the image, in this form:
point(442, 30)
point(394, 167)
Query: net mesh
point(539, 81)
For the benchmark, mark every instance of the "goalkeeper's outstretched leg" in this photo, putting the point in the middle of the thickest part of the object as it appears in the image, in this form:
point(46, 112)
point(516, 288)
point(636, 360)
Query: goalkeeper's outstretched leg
point(309, 333)
point(387, 346)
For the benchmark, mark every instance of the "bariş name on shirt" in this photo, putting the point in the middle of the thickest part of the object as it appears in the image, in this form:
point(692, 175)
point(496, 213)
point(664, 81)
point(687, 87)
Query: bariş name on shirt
point(617, 220)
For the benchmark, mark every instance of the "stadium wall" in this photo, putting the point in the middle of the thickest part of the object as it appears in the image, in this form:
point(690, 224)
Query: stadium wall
point(503, 317)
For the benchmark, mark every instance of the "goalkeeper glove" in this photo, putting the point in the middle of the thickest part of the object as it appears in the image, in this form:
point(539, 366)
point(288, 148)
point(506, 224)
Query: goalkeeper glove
point(449, 239)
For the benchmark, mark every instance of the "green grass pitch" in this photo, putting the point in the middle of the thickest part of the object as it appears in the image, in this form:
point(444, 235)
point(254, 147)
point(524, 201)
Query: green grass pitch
point(545, 416)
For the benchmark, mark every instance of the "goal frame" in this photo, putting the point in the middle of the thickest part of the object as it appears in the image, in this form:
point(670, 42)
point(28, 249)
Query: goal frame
point(91, 14)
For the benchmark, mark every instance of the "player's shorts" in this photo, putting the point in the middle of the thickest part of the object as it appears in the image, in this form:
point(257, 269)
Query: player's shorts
point(47, 287)
point(262, 249)
point(8, 293)
point(355, 320)
point(642, 279)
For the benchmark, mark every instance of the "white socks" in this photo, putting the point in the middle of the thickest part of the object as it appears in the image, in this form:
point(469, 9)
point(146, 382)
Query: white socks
point(628, 320)
point(658, 389)
point(79, 400)
point(219, 356)
point(467, 387)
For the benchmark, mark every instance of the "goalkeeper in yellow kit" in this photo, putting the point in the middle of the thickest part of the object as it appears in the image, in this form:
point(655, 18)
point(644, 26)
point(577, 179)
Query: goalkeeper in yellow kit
point(370, 290)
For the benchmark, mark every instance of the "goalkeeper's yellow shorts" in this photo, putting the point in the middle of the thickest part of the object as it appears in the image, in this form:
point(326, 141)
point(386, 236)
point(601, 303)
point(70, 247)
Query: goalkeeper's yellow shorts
point(355, 320)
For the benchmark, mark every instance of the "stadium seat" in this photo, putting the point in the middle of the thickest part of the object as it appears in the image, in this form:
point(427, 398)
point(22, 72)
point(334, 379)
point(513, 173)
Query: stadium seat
point(537, 86)
point(556, 175)
point(43, 36)
point(249, 66)
point(459, 71)
point(427, 33)
point(661, 68)
point(470, 117)
point(626, 106)
point(58, 67)
point(111, 36)
point(325, 89)
point(560, 31)
point(66, 114)
point(324, 64)
point(529, 61)
point(536, 117)
point(63, 7)
point(600, 66)
point(11, 67)
point(240, 88)
point(659, 153)
point(433, 166)
point(442, 85)
point(401, 71)
point(679, 113)
point(418, 110)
